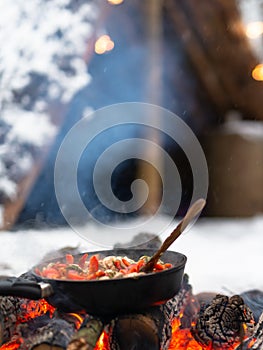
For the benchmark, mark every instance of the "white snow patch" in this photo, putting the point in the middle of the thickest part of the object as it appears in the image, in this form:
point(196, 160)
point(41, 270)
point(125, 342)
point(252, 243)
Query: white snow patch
point(223, 255)
point(29, 127)
point(8, 187)
point(42, 62)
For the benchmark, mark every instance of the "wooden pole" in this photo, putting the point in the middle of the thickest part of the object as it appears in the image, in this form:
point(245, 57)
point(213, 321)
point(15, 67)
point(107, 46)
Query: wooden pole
point(153, 15)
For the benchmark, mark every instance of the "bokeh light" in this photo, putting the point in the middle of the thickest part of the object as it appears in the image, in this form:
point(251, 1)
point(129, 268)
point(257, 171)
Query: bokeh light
point(103, 44)
point(115, 2)
point(257, 72)
point(254, 29)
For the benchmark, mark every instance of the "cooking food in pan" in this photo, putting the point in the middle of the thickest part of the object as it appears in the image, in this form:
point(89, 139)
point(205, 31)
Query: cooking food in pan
point(98, 268)
point(110, 297)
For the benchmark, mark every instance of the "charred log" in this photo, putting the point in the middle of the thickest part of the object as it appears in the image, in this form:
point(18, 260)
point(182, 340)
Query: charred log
point(8, 308)
point(44, 334)
point(32, 321)
point(224, 322)
point(11, 310)
point(256, 341)
point(135, 332)
point(88, 334)
point(254, 300)
point(151, 329)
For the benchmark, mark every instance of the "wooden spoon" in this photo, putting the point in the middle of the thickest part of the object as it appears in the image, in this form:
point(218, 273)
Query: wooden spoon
point(191, 213)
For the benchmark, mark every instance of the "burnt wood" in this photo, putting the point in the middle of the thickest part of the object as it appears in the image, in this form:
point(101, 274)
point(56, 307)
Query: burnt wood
point(148, 330)
point(8, 317)
point(223, 322)
point(48, 333)
point(88, 334)
point(220, 321)
point(151, 329)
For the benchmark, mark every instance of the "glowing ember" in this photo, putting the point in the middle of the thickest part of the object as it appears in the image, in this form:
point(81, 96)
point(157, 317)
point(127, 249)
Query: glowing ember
point(103, 44)
point(183, 339)
point(12, 345)
point(257, 72)
point(79, 319)
point(33, 308)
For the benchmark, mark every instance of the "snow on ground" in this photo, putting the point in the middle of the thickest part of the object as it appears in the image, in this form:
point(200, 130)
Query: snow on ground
point(224, 255)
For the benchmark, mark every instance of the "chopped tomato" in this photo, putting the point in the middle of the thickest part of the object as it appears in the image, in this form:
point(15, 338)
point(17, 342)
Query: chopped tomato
point(94, 268)
point(140, 264)
point(82, 260)
point(100, 273)
point(131, 268)
point(51, 273)
point(53, 276)
point(93, 264)
point(125, 262)
point(91, 276)
point(74, 275)
point(117, 264)
point(168, 266)
point(158, 266)
point(70, 259)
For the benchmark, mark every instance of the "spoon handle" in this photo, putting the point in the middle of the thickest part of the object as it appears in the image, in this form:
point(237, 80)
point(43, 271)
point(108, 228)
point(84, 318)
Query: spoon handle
point(191, 213)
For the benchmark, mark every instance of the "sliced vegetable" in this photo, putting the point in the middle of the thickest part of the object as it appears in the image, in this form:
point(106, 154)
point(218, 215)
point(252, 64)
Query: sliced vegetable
point(69, 259)
point(93, 264)
point(95, 268)
point(82, 260)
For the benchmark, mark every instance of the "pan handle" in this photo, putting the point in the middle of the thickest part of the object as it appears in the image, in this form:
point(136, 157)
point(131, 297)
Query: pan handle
point(20, 287)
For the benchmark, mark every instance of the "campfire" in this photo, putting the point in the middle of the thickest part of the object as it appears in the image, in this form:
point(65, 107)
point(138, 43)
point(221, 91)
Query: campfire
point(184, 322)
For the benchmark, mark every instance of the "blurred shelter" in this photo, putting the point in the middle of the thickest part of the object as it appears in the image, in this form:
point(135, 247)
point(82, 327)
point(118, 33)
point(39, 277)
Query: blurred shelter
point(196, 61)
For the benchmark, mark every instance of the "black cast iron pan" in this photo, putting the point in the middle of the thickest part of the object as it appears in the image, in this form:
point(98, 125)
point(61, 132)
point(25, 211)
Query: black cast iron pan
point(105, 297)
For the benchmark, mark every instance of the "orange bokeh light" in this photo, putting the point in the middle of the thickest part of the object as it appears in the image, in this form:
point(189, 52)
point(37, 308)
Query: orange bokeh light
point(257, 72)
point(115, 2)
point(103, 44)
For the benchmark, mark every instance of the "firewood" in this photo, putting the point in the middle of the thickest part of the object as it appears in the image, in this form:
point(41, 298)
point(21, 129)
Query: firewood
point(223, 323)
point(258, 335)
point(151, 329)
point(47, 347)
point(8, 307)
point(22, 318)
point(255, 342)
point(43, 332)
point(88, 334)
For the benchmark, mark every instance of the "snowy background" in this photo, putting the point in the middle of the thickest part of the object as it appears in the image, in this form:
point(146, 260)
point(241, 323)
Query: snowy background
point(42, 66)
point(224, 255)
point(43, 47)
